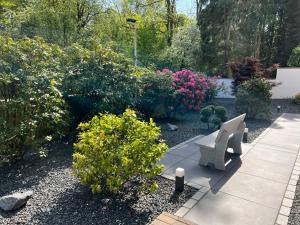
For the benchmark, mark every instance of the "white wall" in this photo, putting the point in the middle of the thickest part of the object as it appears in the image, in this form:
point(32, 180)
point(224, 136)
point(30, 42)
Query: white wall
point(290, 83)
point(288, 77)
point(226, 93)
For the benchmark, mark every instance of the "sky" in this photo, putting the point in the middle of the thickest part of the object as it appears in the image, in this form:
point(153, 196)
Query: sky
point(186, 6)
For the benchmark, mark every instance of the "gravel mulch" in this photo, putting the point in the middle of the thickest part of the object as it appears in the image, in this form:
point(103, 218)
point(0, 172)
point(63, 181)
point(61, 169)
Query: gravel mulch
point(189, 125)
point(60, 199)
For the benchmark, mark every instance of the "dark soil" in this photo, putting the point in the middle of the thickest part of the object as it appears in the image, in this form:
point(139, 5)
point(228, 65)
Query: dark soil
point(60, 199)
point(189, 124)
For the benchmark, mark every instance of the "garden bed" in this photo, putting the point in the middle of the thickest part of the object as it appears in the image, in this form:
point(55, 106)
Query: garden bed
point(60, 199)
point(189, 125)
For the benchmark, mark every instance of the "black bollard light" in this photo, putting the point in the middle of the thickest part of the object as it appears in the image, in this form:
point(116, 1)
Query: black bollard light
point(278, 108)
point(179, 180)
point(245, 136)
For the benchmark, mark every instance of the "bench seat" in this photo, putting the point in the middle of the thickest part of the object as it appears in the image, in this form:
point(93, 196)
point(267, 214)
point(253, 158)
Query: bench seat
point(213, 146)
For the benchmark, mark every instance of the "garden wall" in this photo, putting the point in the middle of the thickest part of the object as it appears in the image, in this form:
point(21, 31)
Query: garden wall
point(288, 77)
point(290, 83)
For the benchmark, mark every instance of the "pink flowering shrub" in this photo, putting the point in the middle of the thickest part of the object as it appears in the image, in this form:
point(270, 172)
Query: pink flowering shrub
point(179, 91)
point(191, 89)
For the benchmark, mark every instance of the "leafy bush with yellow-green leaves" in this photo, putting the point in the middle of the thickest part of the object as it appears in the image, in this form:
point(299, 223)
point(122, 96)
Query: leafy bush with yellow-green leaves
point(112, 150)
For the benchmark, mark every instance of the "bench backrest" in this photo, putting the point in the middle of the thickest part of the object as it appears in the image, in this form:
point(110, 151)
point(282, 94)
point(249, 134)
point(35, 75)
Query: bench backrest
point(231, 126)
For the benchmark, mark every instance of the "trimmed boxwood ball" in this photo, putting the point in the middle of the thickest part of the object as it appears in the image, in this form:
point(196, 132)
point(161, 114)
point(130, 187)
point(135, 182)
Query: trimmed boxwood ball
point(220, 111)
point(112, 150)
point(213, 115)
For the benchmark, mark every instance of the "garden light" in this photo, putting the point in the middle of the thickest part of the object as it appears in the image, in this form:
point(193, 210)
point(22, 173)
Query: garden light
point(278, 108)
point(179, 180)
point(245, 136)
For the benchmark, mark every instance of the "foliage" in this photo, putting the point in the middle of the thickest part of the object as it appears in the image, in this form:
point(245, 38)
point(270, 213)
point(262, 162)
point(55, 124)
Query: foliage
point(297, 99)
point(32, 109)
point(157, 91)
point(220, 112)
point(185, 49)
point(212, 88)
point(102, 78)
point(206, 113)
point(254, 98)
point(294, 59)
point(190, 89)
point(234, 29)
point(165, 93)
point(213, 115)
point(247, 69)
point(114, 149)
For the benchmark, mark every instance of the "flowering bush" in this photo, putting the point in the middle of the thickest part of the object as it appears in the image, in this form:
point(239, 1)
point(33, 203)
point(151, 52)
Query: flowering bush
point(191, 89)
point(168, 92)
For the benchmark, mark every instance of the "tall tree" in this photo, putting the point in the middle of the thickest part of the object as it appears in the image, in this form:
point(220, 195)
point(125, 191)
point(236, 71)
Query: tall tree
point(171, 14)
point(292, 31)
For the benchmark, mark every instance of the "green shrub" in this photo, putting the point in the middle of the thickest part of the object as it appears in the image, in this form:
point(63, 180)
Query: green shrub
point(32, 110)
point(156, 97)
point(113, 149)
point(294, 59)
point(297, 99)
point(206, 113)
point(249, 68)
point(254, 98)
point(220, 112)
point(103, 77)
point(213, 115)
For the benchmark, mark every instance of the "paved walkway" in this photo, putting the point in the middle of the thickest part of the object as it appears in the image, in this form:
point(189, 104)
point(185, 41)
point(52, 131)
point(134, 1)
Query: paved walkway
point(255, 189)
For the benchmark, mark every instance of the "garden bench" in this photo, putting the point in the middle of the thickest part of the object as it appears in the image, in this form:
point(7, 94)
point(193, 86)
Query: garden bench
point(214, 146)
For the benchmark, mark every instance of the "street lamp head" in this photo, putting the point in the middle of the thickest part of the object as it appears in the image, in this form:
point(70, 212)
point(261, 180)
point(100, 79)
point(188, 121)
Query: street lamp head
point(131, 20)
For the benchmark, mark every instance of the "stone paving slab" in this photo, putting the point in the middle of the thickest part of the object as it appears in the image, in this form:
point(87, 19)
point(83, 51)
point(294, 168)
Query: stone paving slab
point(266, 169)
point(257, 188)
point(252, 188)
point(225, 209)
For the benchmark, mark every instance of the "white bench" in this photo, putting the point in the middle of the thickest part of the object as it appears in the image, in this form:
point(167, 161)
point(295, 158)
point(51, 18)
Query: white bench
point(214, 146)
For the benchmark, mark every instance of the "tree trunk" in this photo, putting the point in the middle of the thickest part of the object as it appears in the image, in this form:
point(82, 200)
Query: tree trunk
point(171, 11)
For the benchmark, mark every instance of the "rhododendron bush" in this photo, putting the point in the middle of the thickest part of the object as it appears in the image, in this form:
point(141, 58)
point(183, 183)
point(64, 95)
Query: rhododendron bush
point(191, 90)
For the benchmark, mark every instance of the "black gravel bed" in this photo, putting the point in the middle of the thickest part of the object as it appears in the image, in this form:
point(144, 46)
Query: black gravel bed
point(294, 218)
point(189, 124)
point(59, 198)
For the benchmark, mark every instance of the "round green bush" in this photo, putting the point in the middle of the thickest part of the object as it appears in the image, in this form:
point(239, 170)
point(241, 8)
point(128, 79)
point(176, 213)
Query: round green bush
point(254, 98)
point(220, 112)
point(114, 149)
point(297, 99)
point(207, 111)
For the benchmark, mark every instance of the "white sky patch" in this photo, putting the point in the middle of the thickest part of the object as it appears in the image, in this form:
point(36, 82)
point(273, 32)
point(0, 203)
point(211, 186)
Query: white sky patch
point(186, 6)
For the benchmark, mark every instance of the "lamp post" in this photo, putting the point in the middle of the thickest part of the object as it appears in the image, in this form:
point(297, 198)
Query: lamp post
point(133, 21)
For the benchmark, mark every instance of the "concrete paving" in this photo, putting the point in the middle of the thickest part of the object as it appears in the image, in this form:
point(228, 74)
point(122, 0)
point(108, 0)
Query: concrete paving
point(255, 187)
